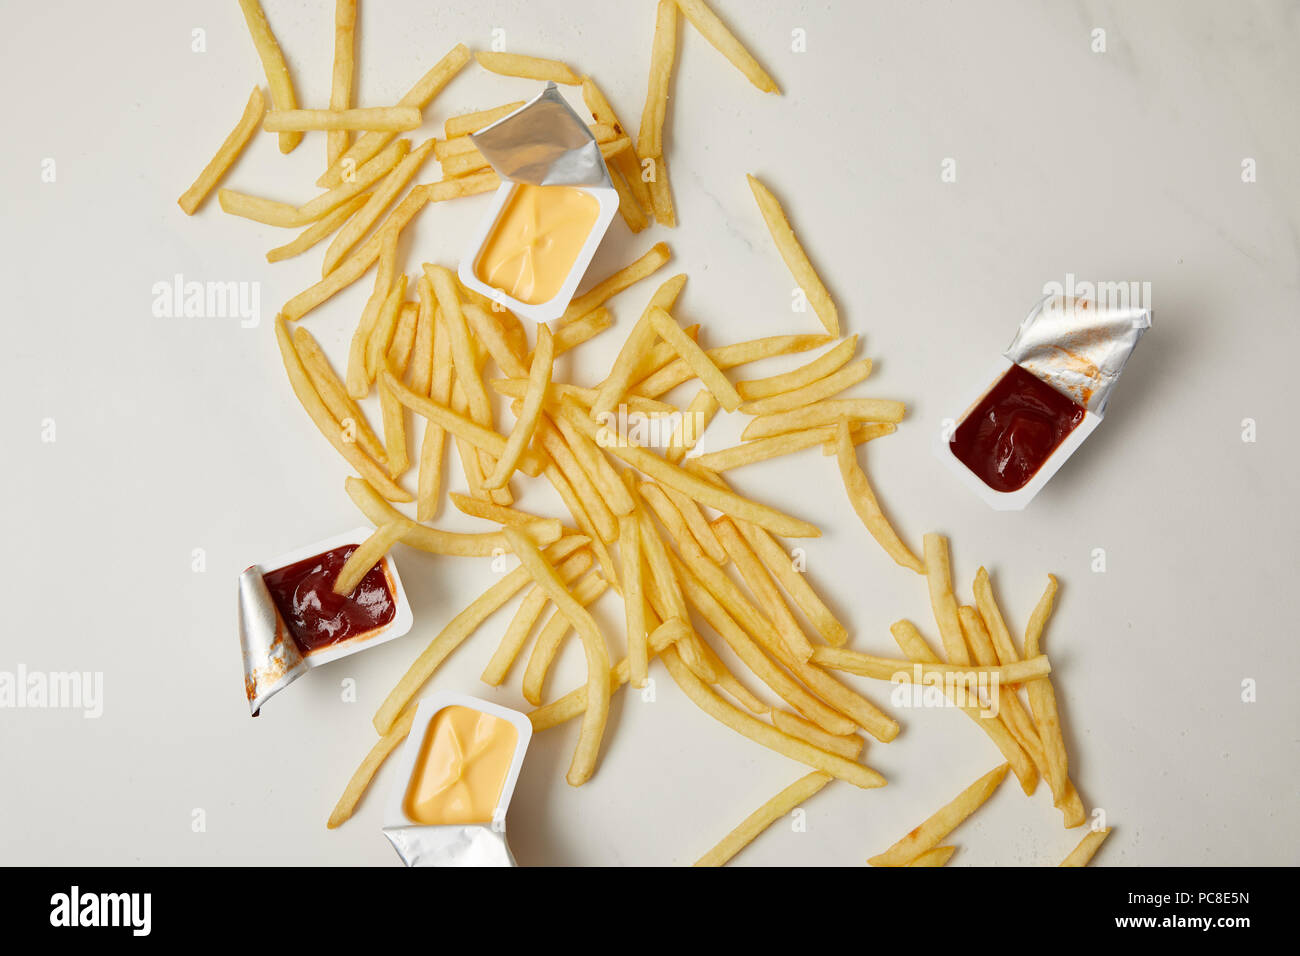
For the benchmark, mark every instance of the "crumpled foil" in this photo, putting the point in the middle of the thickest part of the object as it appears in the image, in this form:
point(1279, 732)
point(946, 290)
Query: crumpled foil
point(271, 658)
point(544, 143)
point(1078, 347)
point(464, 845)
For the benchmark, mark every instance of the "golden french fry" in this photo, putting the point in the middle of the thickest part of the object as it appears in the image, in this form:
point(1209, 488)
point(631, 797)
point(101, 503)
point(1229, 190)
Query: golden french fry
point(627, 163)
point(777, 561)
point(467, 123)
point(419, 96)
point(725, 42)
point(638, 636)
point(420, 376)
point(796, 259)
point(528, 67)
point(381, 333)
point(620, 376)
point(830, 412)
point(538, 380)
point(939, 856)
point(345, 23)
point(387, 191)
point(552, 637)
point(944, 821)
point(1087, 848)
point(848, 746)
point(457, 630)
point(762, 818)
point(593, 642)
point(488, 511)
point(226, 155)
point(277, 72)
point(699, 527)
point(938, 577)
point(526, 615)
point(610, 286)
point(863, 499)
point(695, 419)
point(361, 778)
point(394, 420)
point(825, 364)
point(358, 373)
point(663, 51)
point(580, 330)
point(666, 327)
point(316, 409)
point(597, 467)
point(317, 230)
point(334, 394)
point(593, 504)
point(749, 726)
point(728, 356)
point(368, 554)
point(993, 619)
point(391, 119)
point(787, 443)
point(492, 336)
point(661, 193)
point(760, 583)
point(1042, 700)
point(374, 169)
point(886, 668)
point(821, 389)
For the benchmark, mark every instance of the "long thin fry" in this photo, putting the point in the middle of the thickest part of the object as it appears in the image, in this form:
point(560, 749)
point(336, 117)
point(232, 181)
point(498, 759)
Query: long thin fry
point(391, 119)
point(226, 155)
point(526, 615)
point(825, 364)
point(785, 444)
point(760, 583)
point(552, 635)
point(1042, 699)
point(863, 499)
point(821, 389)
point(796, 259)
point(467, 123)
point(277, 72)
point(387, 191)
point(374, 759)
point(993, 619)
point(848, 746)
point(725, 42)
point(666, 328)
point(886, 668)
point(638, 636)
point(762, 818)
point(333, 392)
point(828, 412)
point(939, 856)
point(944, 821)
point(728, 356)
point(612, 285)
point(628, 163)
point(695, 419)
point(663, 51)
point(345, 23)
point(538, 380)
point(317, 230)
point(528, 67)
point(781, 565)
point(938, 577)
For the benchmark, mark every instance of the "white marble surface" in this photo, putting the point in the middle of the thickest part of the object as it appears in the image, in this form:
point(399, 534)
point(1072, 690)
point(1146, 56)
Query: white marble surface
point(179, 434)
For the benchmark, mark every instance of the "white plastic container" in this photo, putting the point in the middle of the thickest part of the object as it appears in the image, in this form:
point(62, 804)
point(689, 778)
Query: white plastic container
point(554, 307)
point(462, 844)
point(272, 659)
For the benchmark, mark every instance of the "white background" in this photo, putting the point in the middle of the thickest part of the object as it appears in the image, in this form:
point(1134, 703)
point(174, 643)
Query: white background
point(177, 434)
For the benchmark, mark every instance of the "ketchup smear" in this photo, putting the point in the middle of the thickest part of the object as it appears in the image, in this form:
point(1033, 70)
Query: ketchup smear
point(315, 615)
point(1014, 429)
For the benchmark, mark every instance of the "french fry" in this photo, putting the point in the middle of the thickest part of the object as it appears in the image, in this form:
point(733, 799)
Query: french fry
point(317, 231)
point(522, 433)
point(724, 41)
point(1082, 854)
point(796, 259)
point(334, 394)
point(316, 409)
point(787, 443)
point(593, 642)
point(419, 96)
point(863, 499)
point(944, 821)
point(821, 389)
point(394, 419)
point(580, 330)
point(699, 527)
point(848, 746)
point(528, 67)
point(625, 365)
point(825, 364)
point(663, 51)
point(366, 175)
point(488, 511)
point(627, 163)
point(1010, 711)
point(492, 336)
point(602, 519)
point(368, 554)
point(420, 371)
point(390, 119)
point(381, 333)
point(226, 155)
point(604, 290)
point(782, 567)
point(387, 191)
point(1042, 699)
point(885, 668)
point(467, 123)
point(462, 355)
point(597, 467)
point(829, 412)
point(374, 759)
point(457, 630)
point(761, 585)
point(358, 374)
point(939, 856)
point(666, 327)
point(695, 419)
point(434, 442)
point(638, 636)
point(762, 818)
point(661, 193)
point(526, 615)
point(435, 541)
point(725, 357)
point(277, 72)
point(938, 577)
point(993, 620)
point(749, 726)
point(552, 637)
point(345, 23)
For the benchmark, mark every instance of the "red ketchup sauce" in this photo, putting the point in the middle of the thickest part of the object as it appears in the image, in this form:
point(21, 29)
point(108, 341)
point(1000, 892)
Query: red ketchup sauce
point(1014, 429)
point(315, 615)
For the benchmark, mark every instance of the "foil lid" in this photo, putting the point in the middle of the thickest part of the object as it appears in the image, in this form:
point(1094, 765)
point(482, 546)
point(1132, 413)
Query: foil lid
point(465, 845)
point(544, 143)
point(271, 659)
point(1079, 347)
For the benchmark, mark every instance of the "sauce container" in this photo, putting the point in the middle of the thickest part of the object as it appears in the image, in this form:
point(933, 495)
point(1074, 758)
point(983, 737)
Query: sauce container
point(290, 621)
point(549, 214)
point(456, 774)
point(1037, 404)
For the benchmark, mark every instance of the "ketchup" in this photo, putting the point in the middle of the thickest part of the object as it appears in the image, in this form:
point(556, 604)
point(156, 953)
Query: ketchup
point(315, 615)
point(1014, 429)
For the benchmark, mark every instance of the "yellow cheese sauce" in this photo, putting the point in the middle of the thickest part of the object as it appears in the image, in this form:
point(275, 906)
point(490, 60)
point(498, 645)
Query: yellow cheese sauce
point(536, 240)
point(462, 766)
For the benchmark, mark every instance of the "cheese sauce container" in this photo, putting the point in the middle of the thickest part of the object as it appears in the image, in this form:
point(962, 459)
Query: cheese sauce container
point(456, 774)
point(291, 621)
point(1036, 405)
point(548, 216)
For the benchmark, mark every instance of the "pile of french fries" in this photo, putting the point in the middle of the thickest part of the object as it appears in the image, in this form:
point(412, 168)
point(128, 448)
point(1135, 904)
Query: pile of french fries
point(658, 526)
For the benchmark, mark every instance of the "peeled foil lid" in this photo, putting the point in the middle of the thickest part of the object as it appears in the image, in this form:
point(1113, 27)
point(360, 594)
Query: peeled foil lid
point(544, 143)
point(271, 658)
point(1079, 347)
point(466, 845)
